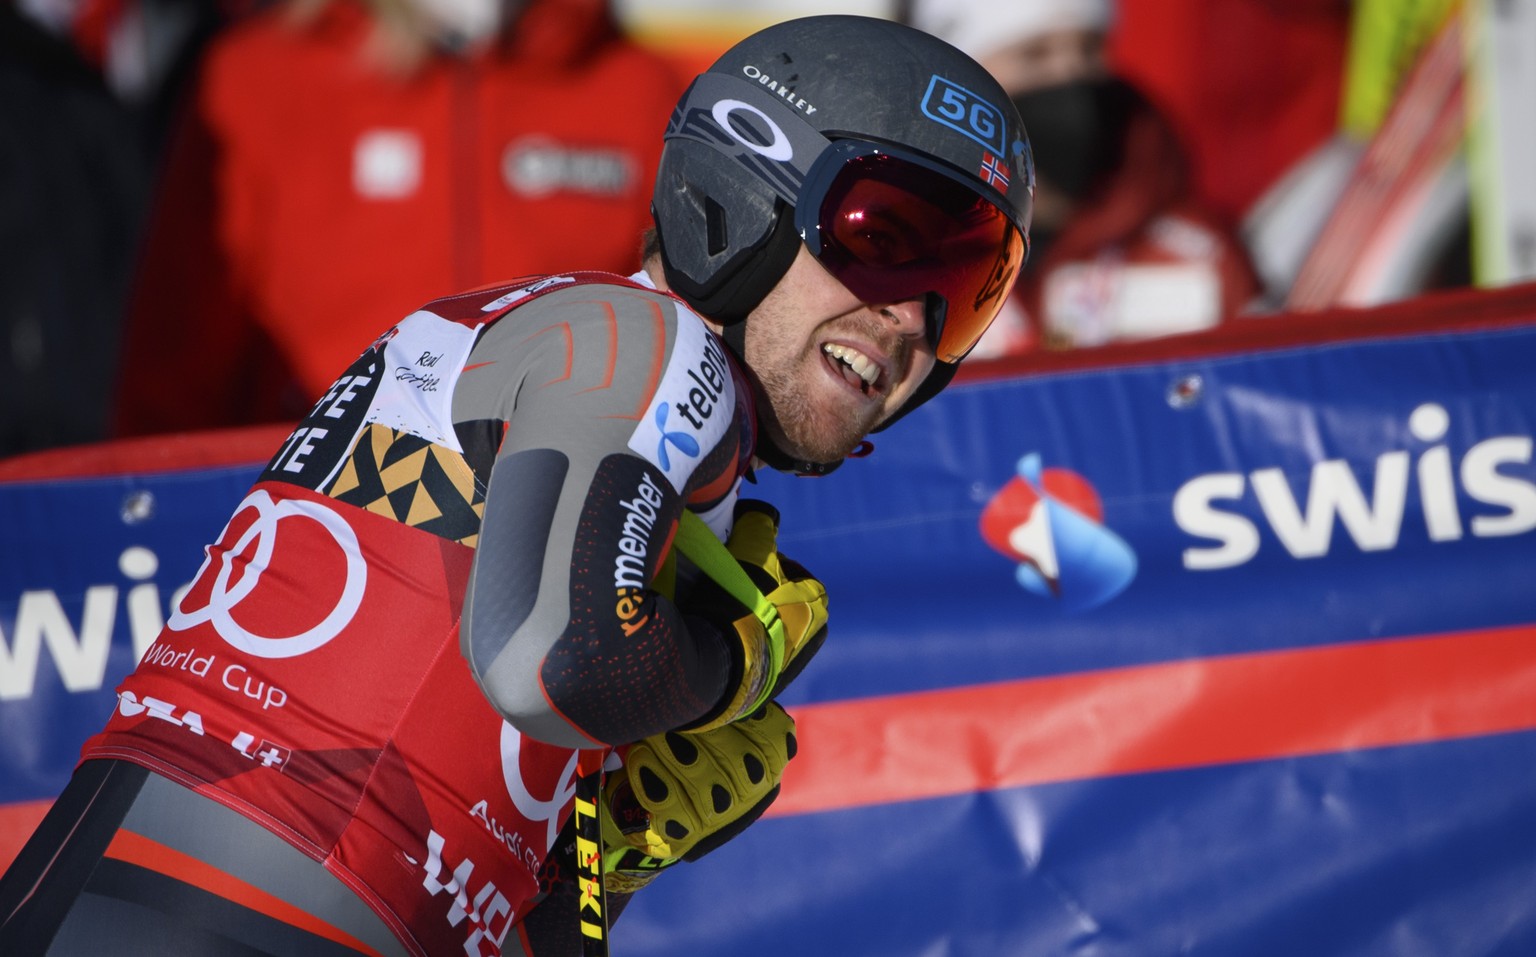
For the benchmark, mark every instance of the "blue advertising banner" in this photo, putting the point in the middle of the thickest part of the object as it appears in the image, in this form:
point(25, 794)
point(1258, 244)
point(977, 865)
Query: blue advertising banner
point(89, 566)
point(1221, 656)
point(1228, 653)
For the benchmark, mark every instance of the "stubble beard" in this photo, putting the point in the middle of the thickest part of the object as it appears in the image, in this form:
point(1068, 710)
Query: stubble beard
point(801, 427)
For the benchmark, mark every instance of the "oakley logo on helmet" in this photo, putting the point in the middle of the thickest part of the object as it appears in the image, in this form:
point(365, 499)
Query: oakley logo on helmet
point(964, 112)
point(783, 92)
point(740, 118)
point(778, 146)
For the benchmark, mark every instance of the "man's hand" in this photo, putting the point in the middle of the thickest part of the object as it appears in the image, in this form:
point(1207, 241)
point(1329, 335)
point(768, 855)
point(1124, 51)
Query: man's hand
point(799, 599)
point(681, 796)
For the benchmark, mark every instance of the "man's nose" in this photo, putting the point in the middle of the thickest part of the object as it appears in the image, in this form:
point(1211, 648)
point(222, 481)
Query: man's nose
point(910, 318)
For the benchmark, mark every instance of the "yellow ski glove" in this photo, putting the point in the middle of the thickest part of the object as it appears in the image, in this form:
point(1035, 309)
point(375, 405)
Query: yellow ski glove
point(799, 601)
point(681, 796)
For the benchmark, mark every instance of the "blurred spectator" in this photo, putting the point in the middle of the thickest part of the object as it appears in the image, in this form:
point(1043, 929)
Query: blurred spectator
point(1122, 250)
point(343, 157)
point(84, 88)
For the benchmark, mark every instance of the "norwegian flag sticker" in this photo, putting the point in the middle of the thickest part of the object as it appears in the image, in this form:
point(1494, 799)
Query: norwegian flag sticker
point(993, 172)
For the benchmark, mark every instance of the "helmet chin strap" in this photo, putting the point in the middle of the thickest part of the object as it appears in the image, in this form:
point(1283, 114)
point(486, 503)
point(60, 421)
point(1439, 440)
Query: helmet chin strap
point(775, 458)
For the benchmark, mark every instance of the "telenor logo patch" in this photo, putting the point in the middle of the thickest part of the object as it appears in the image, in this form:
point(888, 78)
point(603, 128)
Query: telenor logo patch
point(693, 406)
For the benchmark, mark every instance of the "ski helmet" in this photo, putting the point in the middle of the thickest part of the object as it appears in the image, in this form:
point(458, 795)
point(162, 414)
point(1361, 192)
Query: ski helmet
point(777, 139)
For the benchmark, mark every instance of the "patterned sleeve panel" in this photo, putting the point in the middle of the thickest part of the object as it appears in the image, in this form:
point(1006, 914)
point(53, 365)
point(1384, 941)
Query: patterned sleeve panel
point(618, 407)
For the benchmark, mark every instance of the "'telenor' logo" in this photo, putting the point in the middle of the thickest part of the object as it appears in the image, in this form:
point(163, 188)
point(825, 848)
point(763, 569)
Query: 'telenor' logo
point(684, 442)
point(693, 406)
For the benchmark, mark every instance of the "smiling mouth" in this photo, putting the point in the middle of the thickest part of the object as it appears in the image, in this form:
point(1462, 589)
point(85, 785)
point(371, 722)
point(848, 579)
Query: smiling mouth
point(857, 368)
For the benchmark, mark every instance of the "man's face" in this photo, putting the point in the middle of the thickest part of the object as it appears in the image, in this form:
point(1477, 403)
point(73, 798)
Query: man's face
point(831, 367)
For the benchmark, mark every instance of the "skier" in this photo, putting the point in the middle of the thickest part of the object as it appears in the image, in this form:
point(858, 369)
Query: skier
point(471, 652)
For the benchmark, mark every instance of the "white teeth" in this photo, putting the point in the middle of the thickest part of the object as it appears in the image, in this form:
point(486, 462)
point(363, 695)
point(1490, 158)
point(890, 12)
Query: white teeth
point(861, 364)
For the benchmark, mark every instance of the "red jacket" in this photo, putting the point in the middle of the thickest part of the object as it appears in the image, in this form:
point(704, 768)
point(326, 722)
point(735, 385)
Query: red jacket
point(311, 197)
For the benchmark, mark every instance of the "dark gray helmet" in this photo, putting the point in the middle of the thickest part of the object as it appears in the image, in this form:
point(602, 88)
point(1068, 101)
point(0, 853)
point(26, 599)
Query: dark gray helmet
point(742, 147)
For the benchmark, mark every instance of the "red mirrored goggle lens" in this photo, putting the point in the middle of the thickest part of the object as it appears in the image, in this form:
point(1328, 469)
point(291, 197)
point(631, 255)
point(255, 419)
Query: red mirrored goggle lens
point(892, 230)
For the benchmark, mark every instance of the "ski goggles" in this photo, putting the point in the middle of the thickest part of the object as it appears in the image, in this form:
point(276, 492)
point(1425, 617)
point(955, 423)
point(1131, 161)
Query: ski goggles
point(893, 226)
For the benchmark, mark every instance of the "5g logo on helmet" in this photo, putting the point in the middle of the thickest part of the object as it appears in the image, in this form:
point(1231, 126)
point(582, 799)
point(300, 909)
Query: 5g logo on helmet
point(964, 112)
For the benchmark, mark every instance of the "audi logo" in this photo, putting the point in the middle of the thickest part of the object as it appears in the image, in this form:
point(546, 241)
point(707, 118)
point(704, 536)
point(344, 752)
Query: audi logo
point(224, 595)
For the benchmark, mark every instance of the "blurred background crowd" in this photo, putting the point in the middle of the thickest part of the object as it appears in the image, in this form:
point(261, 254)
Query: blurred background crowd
point(213, 205)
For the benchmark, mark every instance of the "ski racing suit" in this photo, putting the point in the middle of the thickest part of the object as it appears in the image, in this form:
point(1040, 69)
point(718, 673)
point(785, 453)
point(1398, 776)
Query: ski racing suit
point(434, 610)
